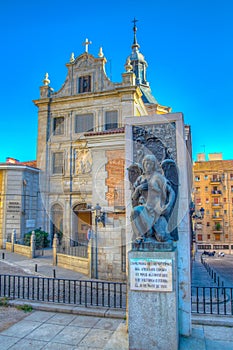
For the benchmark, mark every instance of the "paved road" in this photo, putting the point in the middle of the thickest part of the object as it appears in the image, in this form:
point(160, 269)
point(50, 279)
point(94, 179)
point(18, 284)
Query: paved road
point(64, 330)
point(223, 266)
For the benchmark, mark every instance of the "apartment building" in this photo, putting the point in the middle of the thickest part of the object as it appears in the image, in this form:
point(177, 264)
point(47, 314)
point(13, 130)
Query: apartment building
point(213, 203)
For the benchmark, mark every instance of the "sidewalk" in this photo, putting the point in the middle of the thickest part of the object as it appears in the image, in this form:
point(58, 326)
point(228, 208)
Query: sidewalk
point(64, 327)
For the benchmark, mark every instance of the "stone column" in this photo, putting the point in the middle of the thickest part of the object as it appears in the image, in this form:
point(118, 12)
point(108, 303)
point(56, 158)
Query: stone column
point(55, 244)
point(153, 300)
point(33, 244)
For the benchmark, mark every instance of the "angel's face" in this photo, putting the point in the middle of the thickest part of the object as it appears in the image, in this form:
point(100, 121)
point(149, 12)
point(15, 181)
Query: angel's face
point(149, 165)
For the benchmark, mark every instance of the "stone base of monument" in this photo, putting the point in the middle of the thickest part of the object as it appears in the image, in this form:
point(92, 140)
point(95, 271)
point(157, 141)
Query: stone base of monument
point(153, 300)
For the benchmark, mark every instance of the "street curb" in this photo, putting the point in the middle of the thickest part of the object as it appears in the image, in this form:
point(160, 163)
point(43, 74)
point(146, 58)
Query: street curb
point(212, 320)
point(76, 310)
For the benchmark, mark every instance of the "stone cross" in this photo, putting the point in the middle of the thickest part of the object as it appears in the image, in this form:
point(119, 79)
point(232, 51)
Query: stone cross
point(86, 43)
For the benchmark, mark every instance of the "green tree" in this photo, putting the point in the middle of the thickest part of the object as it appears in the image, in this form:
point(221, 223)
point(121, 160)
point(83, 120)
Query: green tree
point(42, 240)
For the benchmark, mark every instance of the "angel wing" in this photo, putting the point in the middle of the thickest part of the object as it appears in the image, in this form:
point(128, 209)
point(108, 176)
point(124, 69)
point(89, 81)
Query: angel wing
point(170, 171)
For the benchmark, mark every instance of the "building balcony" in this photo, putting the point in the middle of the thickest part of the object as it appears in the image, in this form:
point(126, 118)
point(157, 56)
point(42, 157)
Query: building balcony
point(216, 205)
point(215, 181)
point(216, 193)
point(217, 228)
point(217, 217)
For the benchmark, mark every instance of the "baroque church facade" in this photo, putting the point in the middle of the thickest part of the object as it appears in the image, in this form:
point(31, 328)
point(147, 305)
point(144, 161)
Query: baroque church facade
point(81, 151)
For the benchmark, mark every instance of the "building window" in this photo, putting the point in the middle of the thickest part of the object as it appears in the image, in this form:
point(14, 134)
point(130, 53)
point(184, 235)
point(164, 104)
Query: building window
point(207, 224)
point(225, 212)
point(84, 123)
point(197, 189)
point(208, 236)
point(207, 212)
point(231, 176)
point(197, 178)
point(225, 200)
point(206, 177)
point(198, 201)
point(207, 200)
point(58, 163)
point(206, 189)
point(111, 120)
point(199, 237)
point(58, 126)
point(84, 84)
point(232, 189)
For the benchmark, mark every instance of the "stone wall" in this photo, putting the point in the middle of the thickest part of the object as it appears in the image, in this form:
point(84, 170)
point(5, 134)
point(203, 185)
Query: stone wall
point(19, 249)
point(111, 245)
point(74, 263)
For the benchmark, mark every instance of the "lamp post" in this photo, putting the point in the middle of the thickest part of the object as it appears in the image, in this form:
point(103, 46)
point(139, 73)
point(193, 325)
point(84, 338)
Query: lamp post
point(97, 210)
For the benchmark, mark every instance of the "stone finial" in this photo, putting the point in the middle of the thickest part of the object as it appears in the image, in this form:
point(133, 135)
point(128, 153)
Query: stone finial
point(101, 54)
point(46, 80)
point(128, 66)
point(72, 59)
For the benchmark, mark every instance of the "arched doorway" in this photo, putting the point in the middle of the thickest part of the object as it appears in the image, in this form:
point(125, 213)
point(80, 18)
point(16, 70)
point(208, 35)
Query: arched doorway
point(56, 221)
point(83, 219)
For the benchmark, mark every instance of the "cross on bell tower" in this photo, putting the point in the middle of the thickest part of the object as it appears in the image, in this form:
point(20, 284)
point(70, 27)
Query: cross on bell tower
point(86, 43)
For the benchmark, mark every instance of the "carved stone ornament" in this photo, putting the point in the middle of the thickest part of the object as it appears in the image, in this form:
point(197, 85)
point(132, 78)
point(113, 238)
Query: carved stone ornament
point(83, 161)
point(154, 185)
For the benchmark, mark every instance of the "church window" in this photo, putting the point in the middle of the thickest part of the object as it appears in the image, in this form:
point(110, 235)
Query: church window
point(58, 163)
point(111, 120)
point(84, 123)
point(58, 126)
point(84, 84)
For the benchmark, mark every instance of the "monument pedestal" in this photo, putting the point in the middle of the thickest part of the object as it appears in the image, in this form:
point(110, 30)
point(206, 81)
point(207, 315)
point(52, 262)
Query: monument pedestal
point(153, 300)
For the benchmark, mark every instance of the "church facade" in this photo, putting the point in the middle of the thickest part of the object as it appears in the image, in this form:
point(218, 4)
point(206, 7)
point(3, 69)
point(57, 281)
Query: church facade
point(81, 151)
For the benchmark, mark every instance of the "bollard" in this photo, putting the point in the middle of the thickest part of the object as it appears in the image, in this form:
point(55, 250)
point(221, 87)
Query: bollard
point(3, 256)
point(54, 273)
point(35, 267)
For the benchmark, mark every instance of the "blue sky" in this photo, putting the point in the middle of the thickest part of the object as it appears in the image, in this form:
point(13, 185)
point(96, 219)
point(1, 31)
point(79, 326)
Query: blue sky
point(187, 43)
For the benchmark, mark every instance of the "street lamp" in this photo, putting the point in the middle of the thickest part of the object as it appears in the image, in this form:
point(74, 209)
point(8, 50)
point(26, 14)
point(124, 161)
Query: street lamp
point(97, 211)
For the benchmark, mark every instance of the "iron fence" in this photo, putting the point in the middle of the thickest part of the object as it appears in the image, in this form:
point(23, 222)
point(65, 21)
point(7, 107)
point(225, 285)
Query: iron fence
point(77, 292)
point(73, 248)
point(204, 300)
point(212, 300)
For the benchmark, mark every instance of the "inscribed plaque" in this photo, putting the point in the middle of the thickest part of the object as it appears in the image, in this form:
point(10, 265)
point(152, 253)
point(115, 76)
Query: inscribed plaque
point(151, 274)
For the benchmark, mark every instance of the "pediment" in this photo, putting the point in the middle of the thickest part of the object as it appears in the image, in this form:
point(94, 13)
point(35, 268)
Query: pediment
point(84, 61)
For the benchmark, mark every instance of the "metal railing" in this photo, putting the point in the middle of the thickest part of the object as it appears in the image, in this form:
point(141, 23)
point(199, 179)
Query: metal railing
point(212, 300)
point(73, 248)
point(88, 293)
point(77, 292)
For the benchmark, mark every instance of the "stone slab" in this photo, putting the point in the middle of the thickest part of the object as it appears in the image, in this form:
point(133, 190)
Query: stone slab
point(153, 315)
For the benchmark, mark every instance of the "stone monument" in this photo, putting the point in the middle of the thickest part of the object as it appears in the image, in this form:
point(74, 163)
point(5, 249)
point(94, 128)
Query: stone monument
point(159, 285)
